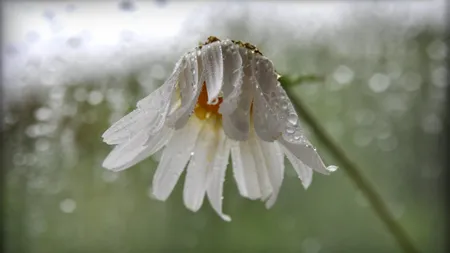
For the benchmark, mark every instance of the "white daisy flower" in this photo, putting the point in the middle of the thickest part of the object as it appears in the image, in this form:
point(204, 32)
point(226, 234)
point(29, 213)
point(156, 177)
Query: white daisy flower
point(222, 98)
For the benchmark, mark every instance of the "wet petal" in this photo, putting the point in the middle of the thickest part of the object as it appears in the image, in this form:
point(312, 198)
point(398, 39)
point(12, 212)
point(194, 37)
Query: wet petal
point(237, 124)
point(199, 166)
point(190, 87)
point(137, 149)
point(217, 175)
point(232, 68)
point(213, 69)
point(304, 172)
point(244, 170)
point(260, 166)
point(265, 119)
point(307, 154)
point(274, 159)
point(175, 157)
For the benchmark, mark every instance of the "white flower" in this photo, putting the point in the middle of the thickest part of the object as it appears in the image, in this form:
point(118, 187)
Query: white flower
point(222, 98)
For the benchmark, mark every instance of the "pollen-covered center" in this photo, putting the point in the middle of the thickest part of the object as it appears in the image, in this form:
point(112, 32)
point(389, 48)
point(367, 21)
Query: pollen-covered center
point(203, 109)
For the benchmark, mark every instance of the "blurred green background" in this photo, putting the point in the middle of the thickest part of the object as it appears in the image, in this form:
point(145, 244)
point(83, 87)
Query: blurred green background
point(381, 95)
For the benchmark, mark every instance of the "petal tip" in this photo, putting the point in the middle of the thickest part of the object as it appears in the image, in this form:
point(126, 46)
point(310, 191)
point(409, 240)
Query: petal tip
point(225, 217)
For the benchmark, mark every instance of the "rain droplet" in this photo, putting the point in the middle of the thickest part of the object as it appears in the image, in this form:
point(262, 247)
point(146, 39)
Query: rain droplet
point(332, 168)
point(432, 124)
point(290, 130)
point(439, 77)
point(343, 74)
point(379, 82)
point(437, 50)
point(215, 101)
point(43, 114)
point(311, 245)
point(68, 205)
point(293, 119)
point(95, 97)
point(109, 176)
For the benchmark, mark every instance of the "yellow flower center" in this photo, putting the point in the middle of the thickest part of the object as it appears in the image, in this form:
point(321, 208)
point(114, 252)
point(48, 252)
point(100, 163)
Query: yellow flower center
point(203, 109)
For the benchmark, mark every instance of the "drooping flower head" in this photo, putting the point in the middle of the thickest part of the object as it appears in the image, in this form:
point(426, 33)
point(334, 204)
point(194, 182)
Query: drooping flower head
point(222, 98)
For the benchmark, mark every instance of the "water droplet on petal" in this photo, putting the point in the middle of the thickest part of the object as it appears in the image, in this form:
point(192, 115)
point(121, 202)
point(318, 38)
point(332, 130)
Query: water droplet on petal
point(332, 168)
point(293, 119)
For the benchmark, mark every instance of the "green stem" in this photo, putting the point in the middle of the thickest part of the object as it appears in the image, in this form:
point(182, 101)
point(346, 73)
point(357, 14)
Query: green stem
point(353, 172)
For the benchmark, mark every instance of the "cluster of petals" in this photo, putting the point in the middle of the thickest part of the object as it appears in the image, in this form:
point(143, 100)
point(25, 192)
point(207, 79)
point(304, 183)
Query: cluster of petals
point(222, 99)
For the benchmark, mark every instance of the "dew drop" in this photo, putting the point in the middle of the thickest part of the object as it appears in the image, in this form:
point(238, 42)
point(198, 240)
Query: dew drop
point(68, 205)
point(293, 119)
point(332, 168)
point(215, 101)
point(290, 130)
point(379, 82)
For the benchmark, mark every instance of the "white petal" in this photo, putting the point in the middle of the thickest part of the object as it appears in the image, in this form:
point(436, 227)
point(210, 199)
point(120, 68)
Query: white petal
point(217, 175)
point(137, 149)
point(128, 126)
point(244, 170)
point(293, 137)
point(260, 166)
point(237, 124)
point(307, 154)
point(293, 131)
point(244, 79)
point(191, 78)
point(190, 87)
point(175, 157)
point(265, 74)
point(150, 114)
point(232, 67)
point(265, 119)
point(199, 166)
point(164, 93)
point(304, 172)
point(213, 69)
point(125, 152)
point(274, 158)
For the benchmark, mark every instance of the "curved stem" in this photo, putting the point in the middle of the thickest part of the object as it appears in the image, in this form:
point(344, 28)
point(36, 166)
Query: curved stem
point(353, 172)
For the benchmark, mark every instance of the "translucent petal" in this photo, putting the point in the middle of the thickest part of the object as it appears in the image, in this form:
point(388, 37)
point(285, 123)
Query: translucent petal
point(293, 131)
point(128, 126)
point(213, 69)
point(199, 167)
point(260, 166)
point(136, 150)
point(125, 152)
point(175, 157)
point(164, 93)
point(304, 172)
point(265, 119)
point(233, 100)
point(237, 124)
point(307, 154)
point(190, 88)
point(232, 67)
point(216, 175)
point(274, 158)
point(150, 114)
point(244, 170)
point(265, 75)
